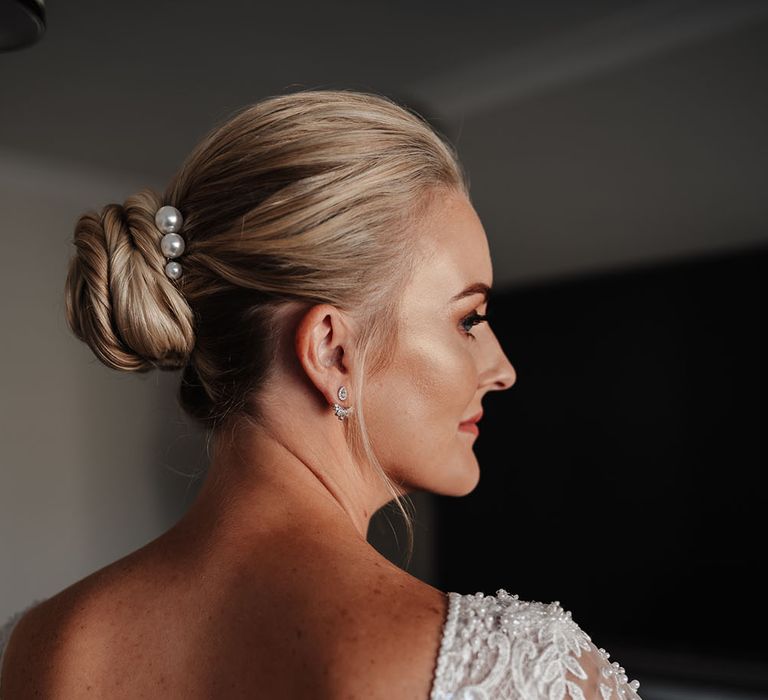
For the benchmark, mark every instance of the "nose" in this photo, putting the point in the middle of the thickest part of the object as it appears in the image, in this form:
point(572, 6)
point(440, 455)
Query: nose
point(505, 374)
point(501, 374)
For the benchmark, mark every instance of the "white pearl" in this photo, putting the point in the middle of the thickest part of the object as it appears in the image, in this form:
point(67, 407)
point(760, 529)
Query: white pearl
point(173, 270)
point(168, 219)
point(172, 245)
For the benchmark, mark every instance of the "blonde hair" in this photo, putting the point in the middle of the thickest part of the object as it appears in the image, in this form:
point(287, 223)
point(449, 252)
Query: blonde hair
point(311, 197)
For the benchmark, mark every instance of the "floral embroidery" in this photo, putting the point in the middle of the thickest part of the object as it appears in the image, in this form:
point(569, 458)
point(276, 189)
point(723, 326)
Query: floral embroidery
point(501, 648)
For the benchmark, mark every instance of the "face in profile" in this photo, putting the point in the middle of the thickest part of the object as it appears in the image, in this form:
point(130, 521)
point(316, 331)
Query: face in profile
point(444, 363)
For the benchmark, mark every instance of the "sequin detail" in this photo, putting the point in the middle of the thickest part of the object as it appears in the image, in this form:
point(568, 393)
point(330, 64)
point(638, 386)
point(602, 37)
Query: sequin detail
point(502, 648)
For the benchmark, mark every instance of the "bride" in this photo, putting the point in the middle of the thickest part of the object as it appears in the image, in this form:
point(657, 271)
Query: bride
point(319, 273)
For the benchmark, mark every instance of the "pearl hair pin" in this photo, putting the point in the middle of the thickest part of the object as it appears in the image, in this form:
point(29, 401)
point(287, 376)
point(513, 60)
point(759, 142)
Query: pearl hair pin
point(169, 220)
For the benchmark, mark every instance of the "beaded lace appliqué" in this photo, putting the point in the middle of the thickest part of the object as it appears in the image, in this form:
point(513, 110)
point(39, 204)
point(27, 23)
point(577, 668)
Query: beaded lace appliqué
point(502, 648)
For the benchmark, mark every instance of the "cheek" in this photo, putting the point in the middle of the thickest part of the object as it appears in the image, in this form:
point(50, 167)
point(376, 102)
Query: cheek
point(429, 387)
point(444, 381)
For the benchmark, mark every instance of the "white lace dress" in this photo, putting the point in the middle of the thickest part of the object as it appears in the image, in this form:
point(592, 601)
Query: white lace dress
point(497, 647)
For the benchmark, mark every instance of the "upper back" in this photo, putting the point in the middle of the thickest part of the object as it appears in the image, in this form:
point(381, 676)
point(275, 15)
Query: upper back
point(489, 646)
point(134, 629)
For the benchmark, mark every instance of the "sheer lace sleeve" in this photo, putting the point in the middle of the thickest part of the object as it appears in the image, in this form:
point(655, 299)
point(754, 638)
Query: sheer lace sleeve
point(501, 648)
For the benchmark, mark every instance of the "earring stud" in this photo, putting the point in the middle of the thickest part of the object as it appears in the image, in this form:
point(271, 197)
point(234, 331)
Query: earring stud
point(340, 411)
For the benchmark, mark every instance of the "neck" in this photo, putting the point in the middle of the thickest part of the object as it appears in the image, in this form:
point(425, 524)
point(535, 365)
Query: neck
point(260, 481)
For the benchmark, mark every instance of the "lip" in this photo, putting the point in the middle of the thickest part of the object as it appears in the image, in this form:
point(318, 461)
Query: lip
point(474, 418)
point(469, 428)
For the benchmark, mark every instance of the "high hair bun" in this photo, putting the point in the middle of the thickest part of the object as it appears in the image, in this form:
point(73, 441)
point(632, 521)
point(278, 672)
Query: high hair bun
point(118, 298)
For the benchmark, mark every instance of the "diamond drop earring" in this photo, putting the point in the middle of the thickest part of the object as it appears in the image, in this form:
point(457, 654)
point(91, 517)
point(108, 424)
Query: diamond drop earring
point(340, 411)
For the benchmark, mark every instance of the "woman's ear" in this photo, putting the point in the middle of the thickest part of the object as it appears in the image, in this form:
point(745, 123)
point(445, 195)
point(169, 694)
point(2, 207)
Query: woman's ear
point(323, 345)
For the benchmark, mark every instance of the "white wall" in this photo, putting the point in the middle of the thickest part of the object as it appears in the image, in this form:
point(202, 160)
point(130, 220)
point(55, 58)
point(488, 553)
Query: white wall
point(87, 459)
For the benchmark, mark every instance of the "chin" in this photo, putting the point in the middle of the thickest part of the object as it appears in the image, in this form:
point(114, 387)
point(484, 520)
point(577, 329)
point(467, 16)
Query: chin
point(471, 483)
point(460, 481)
point(457, 474)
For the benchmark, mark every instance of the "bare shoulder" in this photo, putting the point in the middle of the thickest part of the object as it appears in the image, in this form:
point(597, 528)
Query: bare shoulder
point(37, 659)
point(60, 646)
point(394, 648)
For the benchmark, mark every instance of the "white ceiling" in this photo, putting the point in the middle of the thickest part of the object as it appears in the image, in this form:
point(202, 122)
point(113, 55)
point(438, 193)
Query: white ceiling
point(597, 135)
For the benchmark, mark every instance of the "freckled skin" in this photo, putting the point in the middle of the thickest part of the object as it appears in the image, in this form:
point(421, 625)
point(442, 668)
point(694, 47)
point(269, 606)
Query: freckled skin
point(268, 581)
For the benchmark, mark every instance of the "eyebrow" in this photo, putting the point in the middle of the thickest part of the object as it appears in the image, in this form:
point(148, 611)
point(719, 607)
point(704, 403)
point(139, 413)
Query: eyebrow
point(476, 288)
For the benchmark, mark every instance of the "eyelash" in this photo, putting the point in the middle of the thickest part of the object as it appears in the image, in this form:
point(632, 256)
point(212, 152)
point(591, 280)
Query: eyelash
point(475, 318)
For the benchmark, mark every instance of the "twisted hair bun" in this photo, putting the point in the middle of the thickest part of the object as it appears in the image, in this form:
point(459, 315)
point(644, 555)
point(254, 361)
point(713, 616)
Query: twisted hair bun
point(118, 298)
